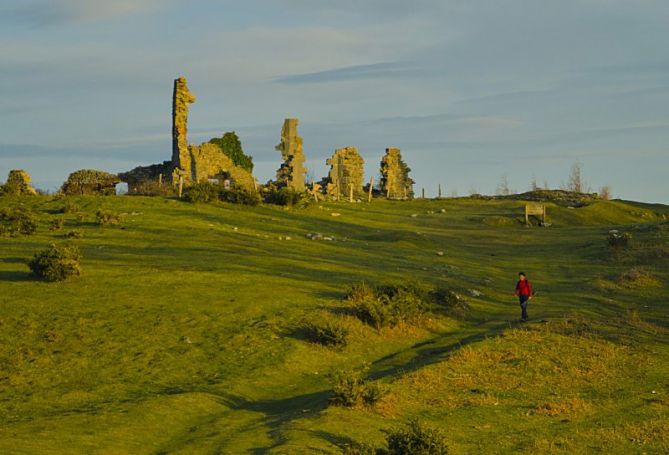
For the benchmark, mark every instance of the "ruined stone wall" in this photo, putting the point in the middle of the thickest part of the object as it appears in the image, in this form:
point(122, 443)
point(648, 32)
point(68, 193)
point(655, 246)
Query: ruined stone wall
point(181, 99)
point(292, 172)
point(207, 161)
point(346, 171)
point(395, 181)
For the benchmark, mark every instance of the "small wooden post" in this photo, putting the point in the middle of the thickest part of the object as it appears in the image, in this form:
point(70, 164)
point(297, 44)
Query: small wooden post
point(181, 186)
point(371, 184)
point(440, 191)
point(350, 192)
point(160, 180)
point(423, 193)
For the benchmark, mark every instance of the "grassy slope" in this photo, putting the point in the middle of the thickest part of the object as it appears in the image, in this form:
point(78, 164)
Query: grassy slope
point(179, 338)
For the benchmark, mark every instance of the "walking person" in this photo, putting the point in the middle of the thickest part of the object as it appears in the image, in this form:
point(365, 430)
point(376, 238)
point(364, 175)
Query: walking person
point(524, 293)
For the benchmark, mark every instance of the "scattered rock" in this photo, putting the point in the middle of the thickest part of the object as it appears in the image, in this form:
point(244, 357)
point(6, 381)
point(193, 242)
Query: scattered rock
point(440, 253)
point(475, 293)
point(315, 236)
point(335, 214)
point(414, 215)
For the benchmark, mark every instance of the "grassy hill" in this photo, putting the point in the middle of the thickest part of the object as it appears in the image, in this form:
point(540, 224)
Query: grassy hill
point(184, 333)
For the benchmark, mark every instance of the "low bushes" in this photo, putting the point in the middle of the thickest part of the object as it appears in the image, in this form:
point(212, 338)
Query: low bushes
point(415, 438)
point(90, 182)
point(616, 239)
point(327, 333)
point(56, 224)
point(350, 390)
point(205, 192)
point(56, 263)
point(285, 196)
point(390, 305)
point(18, 221)
point(107, 218)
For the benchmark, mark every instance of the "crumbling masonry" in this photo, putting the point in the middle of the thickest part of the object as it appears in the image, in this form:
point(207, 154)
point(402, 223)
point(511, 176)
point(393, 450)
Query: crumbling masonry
point(395, 181)
point(346, 175)
point(190, 163)
point(292, 172)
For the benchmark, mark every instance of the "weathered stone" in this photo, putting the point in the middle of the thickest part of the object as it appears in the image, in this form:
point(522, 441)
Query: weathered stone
point(18, 183)
point(395, 181)
point(181, 99)
point(191, 163)
point(292, 172)
point(346, 173)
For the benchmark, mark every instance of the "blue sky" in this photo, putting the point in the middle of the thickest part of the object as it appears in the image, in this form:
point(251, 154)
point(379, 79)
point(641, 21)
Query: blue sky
point(469, 90)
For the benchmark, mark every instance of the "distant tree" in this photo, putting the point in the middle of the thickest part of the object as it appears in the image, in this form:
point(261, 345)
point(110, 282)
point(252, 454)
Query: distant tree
point(576, 183)
point(503, 186)
point(546, 184)
point(534, 186)
point(605, 192)
point(473, 190)
point(232, 148)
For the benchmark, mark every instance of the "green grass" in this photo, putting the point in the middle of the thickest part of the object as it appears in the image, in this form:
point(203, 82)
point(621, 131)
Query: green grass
point(182, 334)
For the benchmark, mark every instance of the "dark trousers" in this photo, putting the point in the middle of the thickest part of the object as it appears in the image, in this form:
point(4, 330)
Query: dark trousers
point(523, 305)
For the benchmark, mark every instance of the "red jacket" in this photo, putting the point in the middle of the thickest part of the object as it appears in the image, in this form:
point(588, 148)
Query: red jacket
point(523, 288)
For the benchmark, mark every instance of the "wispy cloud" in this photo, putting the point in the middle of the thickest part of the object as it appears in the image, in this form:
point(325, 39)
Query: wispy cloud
point(372, 71)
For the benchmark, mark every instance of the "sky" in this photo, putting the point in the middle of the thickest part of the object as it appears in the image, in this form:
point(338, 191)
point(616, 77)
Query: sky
point(470, 90)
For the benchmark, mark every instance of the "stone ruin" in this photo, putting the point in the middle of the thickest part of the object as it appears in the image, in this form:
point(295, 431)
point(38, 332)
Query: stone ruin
point(346, 175)
point(395, 181)
point(18, 183)
point(190, 163)
point(292, 172)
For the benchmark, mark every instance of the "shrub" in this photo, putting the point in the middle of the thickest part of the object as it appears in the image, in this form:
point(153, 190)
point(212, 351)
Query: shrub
point(454, 304)
point(74, 235)
point(18, 184)
point(202, 192)
point(238, 195)
point(231, 146)
point(616, 239)
point(56, 224)
point(416, 439)
point(107, 218)
point(90, 182)
point(17, 221)
point(327, 333)
point(286, 196)
point(69, 207)
point(350, 390)
point(56, 263)
point(381, 306)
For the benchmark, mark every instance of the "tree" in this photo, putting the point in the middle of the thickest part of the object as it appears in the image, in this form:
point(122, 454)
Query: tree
point(503, 187)
point(231, 146)
point(534, 186)
point(576, 183)
point(605, 192)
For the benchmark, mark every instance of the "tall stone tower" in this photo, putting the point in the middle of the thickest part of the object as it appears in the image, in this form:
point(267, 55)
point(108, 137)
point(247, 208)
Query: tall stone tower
point(181, 99)
point(292, 172)
point(395, 180)
point(346, 173)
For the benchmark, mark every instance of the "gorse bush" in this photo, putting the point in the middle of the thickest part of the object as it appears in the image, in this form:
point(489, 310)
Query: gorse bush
point(616, 239)
point(453, 303)
point(350, 390)
point(90, 182)
point(56, 224)
point(285, 196)
point(231, 146)
point(18, 221)
point(327, 333)
point(202, 192)
point(416, 439)
point(236, 195)
point(69, 207)
point(107, 218)
point(388, 305)
point(205, 192)
point(56, 263)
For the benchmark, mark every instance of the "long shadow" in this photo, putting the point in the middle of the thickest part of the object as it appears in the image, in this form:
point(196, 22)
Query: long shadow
point(280, 412)
point(16, 276)
point(427, 353)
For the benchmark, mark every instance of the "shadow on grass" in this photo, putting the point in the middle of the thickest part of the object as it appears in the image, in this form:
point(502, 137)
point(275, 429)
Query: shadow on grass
point(17, 276)
point(280, 412)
